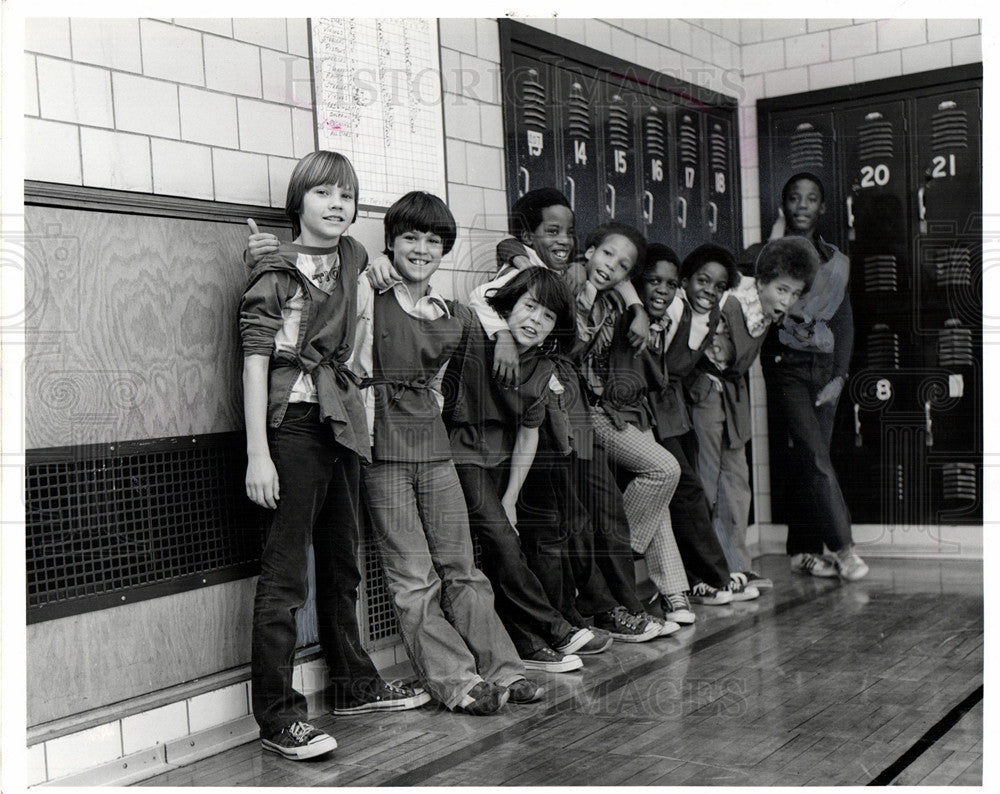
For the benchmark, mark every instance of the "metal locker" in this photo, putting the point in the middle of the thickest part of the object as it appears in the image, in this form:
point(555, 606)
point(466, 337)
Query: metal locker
point(619, 158)
point(690, 229)
point(579, 159)
point(653, 145)
point(722, 183)
point(534, 127)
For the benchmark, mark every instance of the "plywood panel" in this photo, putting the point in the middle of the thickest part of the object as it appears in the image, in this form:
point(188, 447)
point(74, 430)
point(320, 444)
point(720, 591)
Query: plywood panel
point(130, 326)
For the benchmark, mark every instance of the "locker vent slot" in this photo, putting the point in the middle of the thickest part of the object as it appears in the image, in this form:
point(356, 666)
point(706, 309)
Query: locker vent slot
point(954, 347)
point(949, 128)
point(100, 522)
point(533, 101)
point(618, 125)
point(952, 266)
point(806, 148)
point(578, 113)
point(881, 273)
point(883, 348)
point(875, 141)
point(656, 138)
point(720, 148)
point(688, 140)
point(958, 481)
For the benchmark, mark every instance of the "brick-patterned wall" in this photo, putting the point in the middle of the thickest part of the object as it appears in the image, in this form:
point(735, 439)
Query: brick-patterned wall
point(215, 109)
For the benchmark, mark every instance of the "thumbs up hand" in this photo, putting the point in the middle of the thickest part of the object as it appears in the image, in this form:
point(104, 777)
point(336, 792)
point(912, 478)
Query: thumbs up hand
point(259, 244)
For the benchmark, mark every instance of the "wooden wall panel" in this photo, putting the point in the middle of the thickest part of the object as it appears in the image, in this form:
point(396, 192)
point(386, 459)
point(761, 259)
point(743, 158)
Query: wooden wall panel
point(130, 326)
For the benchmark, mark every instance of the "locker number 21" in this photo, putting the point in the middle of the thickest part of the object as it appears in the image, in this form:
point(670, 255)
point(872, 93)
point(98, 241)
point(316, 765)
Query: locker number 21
point(943, 167)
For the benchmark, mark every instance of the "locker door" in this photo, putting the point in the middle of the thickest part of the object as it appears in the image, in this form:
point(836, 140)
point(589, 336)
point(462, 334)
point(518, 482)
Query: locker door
point(722, 209)
point(619, 158)
point(653, 145)
point(802, 140)
point(534, 138)
point(578, 149)
point(690, 229)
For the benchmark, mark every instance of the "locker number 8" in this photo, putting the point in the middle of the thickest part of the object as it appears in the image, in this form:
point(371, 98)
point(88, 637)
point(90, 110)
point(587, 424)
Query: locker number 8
point(874, 175)
point(720, 182)
point(883, 389)
point(621, 164)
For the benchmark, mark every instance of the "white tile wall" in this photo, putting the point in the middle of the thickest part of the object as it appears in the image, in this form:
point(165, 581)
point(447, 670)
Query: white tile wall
point(172, 53)
point(240, 177)
point(91, 747)
point(783, 28)
point(30, 85)
point(279, 171)
point(232, 66)
point(763, 57)
point(107, 42)
point(967, 50)
point(484, 166)
point(116, 160)
point(298, 36)
point(814, 25)
point(74, 92)
point(878, 66)
point(303, 132)
point(215, 708)
point(894, 34)
point(462, 117)
point(145, 105)
point(286, 78)
point(827, 75)
point(791, 81)
point(220, 27)
point(926, 57)
point(458, 34)
point(54, 152)
point(157, 726)
point(938, 29)
point(265, 127)
point(50, 36)
point(208, 117)
point(270, 33)
point(182, 169)
point(808, 49)
point(853, 41)
point(456, 159)
point(36, 765)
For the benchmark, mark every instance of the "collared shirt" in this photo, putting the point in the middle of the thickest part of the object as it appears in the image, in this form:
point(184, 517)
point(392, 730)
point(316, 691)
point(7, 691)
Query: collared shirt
point(749, 300)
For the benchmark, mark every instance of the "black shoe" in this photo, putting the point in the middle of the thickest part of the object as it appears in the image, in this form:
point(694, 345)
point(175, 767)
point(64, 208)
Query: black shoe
point(484, 699)
point(395, 696)
point(299, 741)
point(551, 661)
point(525, 691)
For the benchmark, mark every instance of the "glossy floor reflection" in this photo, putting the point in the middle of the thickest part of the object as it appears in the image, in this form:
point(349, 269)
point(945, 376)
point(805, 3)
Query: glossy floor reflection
point(815, 683)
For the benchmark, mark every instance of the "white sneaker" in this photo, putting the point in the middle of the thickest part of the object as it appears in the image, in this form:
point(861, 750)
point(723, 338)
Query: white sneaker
point(677, 609)
point(705, 594)
point(739, 589)
point(850, 567)
point(814, 565)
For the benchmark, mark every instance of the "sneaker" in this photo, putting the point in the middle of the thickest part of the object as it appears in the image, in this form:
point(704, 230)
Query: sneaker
point(814, 565)
point(666, 627)
point(739, 589)
point(626, 627)
point(601, 642)
point(484, 699)
point(299, 741)
point(677, 608)
point(525, 691)
point(850, 566)
point(395, 696)
point(551, 661)
point(754, 579)
point(706, 595)
point(574, 641)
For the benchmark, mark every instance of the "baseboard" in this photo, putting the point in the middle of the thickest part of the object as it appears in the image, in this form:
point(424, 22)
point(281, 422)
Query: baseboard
point(933, 541)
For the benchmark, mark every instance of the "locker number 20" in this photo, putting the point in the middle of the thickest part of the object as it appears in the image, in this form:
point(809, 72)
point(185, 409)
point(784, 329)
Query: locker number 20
point(874, 175)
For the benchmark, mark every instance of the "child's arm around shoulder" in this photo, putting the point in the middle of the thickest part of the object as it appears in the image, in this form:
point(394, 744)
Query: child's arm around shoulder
point(522, 456)
point(506, 362)
point(512, 253)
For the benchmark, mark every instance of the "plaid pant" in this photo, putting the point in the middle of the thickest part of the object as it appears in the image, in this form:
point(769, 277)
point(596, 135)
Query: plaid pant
point(647, 498)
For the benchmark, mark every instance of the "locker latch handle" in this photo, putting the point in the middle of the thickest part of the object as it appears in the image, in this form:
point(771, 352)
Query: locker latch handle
point(572, 192)
point(527, 179)
point(923, 210)
point(647, 210)
point(713, 224)
point(850, 212)
point(857, 425)
point(928, 424)
point(610, 206)
point(683, 217)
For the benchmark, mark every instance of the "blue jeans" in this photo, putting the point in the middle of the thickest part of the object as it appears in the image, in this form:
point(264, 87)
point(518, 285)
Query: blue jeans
point(817, 511)
point(443, 602)
point(318, 479)
point(532, 622)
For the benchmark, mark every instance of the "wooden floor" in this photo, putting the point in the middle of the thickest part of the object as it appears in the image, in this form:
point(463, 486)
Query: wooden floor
point(816, 683)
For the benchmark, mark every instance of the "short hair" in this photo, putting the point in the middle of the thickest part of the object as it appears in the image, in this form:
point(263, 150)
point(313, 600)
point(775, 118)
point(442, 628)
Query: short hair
point(526, 213)
point(322, 167)
point(792, 257)
point(710, 252)
point(799, 176)
point(655, 252)
point(418, 211)
point(606, 230)
point(549, 290)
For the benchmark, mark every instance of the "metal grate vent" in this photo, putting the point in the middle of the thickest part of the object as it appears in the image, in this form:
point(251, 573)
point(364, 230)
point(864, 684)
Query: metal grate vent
point(122, 522)
point(875, 140)
point(688, 140)
point(656, 137)
point(578, 113)
point(719, 148)
point(619, 129)
point(533, 100)
point(949, 128)
point(806, 148)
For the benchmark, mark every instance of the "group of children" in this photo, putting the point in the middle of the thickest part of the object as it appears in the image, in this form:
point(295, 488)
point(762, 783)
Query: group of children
point(577, 411)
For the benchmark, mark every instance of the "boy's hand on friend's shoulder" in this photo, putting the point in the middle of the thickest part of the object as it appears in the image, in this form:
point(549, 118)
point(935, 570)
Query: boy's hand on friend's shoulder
point(506, 362)
point(259, 244)
point(575, 277)
point(262, 481)
point(381, 274)
point(638, 331)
